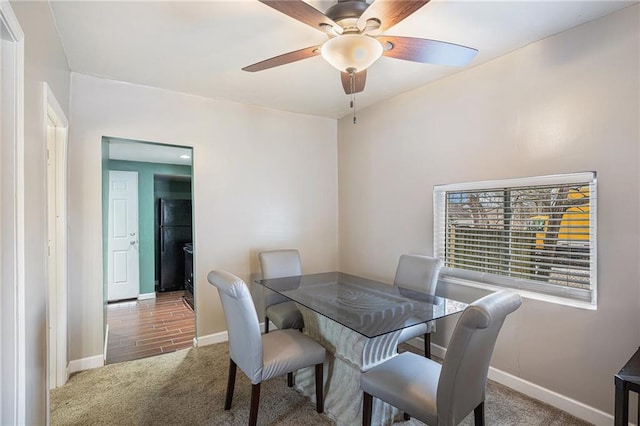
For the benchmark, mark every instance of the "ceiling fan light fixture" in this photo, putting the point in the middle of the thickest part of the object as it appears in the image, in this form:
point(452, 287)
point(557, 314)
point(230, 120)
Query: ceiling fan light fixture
point(354, 52)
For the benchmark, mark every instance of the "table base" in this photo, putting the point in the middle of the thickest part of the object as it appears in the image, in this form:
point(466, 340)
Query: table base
point(348, 355)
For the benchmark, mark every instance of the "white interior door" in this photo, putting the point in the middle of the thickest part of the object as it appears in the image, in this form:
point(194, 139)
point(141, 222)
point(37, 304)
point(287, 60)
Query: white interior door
point(123, 276)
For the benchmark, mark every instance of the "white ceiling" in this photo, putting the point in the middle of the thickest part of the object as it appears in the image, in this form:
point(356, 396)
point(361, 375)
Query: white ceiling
point(128, 150)
point(200, 47)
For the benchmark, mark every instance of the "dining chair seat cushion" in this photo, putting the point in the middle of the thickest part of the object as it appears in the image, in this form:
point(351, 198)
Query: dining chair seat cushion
point(285, 315)
point(407, 381)
point(417, 330)
point(288, 350)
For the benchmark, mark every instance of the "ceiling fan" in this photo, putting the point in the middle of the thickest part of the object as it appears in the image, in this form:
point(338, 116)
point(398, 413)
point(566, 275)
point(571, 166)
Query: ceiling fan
point(355, 28)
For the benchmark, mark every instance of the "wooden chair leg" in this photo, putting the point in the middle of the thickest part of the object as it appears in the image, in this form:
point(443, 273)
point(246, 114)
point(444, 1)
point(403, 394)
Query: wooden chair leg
point(319, 386)
point(478, 414)
point(255, 403)
point(290, 379)
point(367, 405)
point(266, 324)
point(231, 382)
point(427, 345)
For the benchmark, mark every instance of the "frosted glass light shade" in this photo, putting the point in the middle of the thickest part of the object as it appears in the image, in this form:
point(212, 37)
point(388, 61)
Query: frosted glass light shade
point(351, 51)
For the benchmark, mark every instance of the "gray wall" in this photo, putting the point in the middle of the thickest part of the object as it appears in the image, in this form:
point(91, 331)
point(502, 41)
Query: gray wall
point(565, 104)
point(45, 61)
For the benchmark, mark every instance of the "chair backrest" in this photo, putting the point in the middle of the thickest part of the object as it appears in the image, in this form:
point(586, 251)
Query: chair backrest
point(463, 378)
point(245, 342)
point(419, 273)
point(278, 264)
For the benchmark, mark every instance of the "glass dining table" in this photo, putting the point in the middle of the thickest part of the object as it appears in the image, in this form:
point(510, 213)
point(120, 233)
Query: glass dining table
point(358, 321)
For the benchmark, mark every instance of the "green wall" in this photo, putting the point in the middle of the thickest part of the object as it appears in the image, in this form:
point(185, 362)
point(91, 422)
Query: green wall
point(146, 208)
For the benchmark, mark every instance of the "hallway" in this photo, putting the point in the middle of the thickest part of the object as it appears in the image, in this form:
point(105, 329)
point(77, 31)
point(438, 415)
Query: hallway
point(144, 328)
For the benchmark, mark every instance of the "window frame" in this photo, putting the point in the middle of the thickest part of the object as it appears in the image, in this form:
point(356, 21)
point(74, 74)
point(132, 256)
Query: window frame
point(539, 290)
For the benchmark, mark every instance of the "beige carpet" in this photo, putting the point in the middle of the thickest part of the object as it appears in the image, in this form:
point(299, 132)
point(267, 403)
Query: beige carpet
point(188, 388)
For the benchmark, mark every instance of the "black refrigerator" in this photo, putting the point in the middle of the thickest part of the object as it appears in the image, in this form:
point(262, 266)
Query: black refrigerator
point(174, 231)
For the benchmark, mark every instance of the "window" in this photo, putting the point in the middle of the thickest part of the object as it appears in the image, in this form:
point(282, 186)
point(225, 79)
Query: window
point(534, 234)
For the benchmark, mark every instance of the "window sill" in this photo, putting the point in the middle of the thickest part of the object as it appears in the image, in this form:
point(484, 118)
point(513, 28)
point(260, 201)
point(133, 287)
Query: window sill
point(524, 293)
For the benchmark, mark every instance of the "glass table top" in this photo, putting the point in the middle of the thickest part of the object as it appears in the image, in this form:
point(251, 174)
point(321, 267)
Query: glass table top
point(368, 307)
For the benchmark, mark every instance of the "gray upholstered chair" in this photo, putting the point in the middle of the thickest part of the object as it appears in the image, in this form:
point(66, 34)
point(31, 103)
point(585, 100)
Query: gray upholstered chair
point(444, 394)
point(278, 309)
point(261, 357)
point(418, 273)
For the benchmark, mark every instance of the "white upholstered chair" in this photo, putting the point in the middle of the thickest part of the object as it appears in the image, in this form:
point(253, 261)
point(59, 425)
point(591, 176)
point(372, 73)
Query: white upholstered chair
point(261, 357)
point(443, 395)
point(418, 273)
point(278, 309)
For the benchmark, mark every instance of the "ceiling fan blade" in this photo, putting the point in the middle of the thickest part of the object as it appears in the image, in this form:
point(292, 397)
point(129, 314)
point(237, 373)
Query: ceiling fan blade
point(426, 51)
point(283, 59)
point(358, 84)
point(389, 12)
point(303, 12)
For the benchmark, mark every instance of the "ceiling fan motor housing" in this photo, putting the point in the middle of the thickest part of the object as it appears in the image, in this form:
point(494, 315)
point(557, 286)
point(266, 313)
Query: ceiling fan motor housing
point(347, 9)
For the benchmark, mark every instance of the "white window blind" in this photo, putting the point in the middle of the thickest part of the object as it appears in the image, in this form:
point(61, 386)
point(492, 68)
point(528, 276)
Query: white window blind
point(536, 234)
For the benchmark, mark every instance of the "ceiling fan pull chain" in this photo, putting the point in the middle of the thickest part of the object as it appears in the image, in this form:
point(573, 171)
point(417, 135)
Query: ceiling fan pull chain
point(352, 104)
point(354, 108)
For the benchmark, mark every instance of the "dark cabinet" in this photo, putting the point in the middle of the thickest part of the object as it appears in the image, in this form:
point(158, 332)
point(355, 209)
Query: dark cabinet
point(188, 274)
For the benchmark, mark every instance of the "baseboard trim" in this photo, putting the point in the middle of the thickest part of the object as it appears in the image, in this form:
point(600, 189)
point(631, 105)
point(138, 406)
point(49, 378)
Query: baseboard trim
point(212, 339)
point(86, 363)
point(99, 360)
point(145, 296)
point(562, 402)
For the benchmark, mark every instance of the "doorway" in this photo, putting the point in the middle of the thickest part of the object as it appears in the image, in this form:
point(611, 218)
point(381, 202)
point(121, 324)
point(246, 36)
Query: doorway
point(155, 319)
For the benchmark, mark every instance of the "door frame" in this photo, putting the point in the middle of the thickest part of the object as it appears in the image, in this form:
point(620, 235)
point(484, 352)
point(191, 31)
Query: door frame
point(57, 347)
point(12, 189)
point(106, 141)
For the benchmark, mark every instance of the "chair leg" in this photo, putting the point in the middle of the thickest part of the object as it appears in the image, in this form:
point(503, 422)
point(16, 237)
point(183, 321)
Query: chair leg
point(367, 405)
point(255, 402)
point(427, 345)
point(290, 379)
point(478, 414)
point(231, 382)
point(266, 324)
point(319, 386)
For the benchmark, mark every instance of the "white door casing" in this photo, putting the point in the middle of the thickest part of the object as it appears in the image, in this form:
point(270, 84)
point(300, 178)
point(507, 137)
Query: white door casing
point(123, 248)
point(52, 261)
point(56, 126)
point(13, 386)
